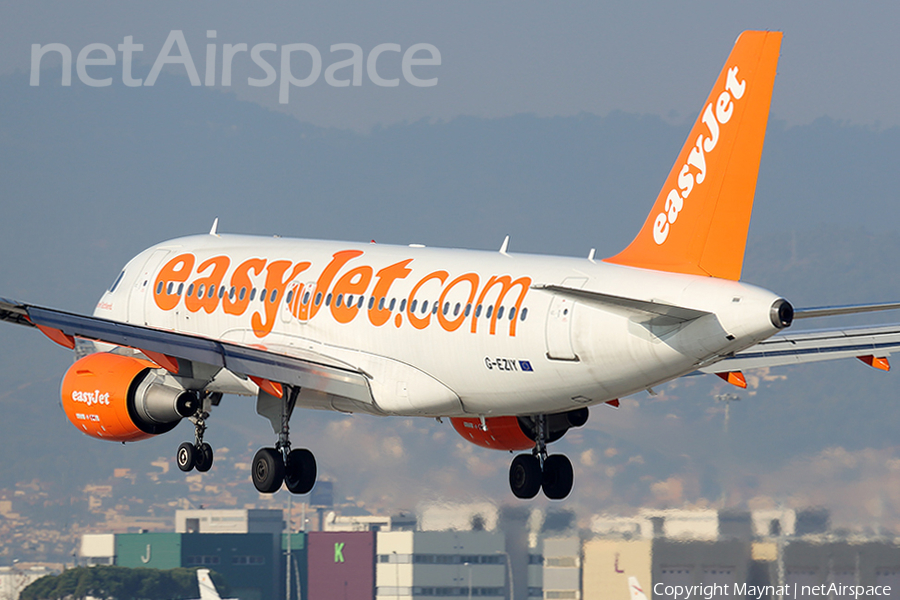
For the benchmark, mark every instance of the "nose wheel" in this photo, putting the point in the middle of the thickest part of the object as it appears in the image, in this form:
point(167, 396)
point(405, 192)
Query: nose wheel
point(530, 473)
point(272, 467)
point(198, 455)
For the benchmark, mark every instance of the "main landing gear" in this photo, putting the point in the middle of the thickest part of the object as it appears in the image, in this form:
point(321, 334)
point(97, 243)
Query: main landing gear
point(198, 455)
point(274, 466)
point(529, 473)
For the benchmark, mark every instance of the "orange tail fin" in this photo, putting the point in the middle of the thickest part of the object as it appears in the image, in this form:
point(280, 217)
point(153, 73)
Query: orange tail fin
point(700, 220)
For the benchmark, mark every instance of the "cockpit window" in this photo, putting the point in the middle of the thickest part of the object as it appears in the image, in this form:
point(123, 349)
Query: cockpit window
point(115, 284)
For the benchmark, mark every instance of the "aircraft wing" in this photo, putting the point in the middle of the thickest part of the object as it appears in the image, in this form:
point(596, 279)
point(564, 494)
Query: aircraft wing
point(791, 348)
point(306, 370)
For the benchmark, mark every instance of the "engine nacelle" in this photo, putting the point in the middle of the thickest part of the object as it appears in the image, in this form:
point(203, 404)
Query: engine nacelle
point(122, 398)
point(499, 433)
point(516, 433)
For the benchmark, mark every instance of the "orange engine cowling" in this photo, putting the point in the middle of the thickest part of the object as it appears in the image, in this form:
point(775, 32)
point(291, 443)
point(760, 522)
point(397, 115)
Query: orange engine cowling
point(122, 398)
point(516, 433)
point(499, 433)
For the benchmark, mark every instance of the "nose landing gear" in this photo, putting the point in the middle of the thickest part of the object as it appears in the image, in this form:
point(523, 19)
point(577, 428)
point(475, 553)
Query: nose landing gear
point(529, 473)
point(198, 455)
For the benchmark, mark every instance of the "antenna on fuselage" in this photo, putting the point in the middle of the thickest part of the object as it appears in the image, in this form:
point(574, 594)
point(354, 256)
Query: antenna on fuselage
point(215, 226)
point(504, 246)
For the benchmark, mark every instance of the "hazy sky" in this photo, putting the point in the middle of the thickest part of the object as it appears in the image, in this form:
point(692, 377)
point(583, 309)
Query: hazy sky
point(501, 58)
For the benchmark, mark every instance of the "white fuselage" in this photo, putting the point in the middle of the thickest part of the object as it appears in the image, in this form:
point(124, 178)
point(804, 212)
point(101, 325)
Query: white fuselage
point(555, 354)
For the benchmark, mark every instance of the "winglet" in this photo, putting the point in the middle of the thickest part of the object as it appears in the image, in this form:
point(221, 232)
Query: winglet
point(700, 220)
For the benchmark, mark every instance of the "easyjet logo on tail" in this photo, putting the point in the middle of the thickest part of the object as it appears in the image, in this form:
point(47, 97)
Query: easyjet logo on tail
point(344, 289)
point(693, 172)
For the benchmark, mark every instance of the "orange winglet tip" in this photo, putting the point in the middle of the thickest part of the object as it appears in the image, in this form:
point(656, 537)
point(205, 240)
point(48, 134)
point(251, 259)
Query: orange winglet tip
point(58, 336)
point(166, 362)
point(269, 387)
point(875, 362)
point(614, 403)
point(734, 378)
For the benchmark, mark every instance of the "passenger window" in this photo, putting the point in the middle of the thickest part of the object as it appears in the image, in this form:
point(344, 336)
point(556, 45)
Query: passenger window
point(523, 314)
point(190, 290)
point(252, 294)
point(500, 313)
point(393, 303)
point(243, 293)
point(490, 311)
point(512, 313)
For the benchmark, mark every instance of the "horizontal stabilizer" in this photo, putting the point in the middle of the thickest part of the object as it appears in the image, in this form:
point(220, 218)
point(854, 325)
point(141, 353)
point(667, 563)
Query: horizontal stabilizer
point(628, 306)
point(847, 309)
point(813, 346)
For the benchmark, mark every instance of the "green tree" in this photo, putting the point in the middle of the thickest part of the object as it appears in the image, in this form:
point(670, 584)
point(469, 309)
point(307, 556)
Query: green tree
point(119, 583)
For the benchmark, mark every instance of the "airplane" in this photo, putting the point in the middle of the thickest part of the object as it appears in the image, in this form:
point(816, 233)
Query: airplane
point(512, 348)
point(635, 590)
point(207, 587)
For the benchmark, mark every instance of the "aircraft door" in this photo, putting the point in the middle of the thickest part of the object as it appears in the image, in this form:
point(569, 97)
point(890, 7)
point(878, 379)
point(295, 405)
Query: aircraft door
point(559, 323)
point(140, 291)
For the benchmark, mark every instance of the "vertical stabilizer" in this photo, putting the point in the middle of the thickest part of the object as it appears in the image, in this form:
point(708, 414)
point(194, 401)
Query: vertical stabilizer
point(700, 220)
point(635, 590)
point(207, 589)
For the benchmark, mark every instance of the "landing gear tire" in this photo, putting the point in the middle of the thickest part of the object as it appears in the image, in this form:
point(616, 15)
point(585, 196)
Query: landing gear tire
point(268, 470)
point(558, 476)
point(300, 471)
point(186, 456)
point(525, 476)
point(203, 460)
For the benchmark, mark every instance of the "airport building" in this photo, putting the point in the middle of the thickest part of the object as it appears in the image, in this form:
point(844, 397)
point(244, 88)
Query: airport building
point(441, 564)
point(478, 551)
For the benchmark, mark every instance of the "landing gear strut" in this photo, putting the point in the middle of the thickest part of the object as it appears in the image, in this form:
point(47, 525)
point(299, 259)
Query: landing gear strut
point(274, 466)
point(529, 473)
point(198, 455)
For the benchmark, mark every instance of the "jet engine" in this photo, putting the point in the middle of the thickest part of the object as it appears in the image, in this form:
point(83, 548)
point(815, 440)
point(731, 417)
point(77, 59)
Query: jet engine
point(122, 398)
point(517, 433)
